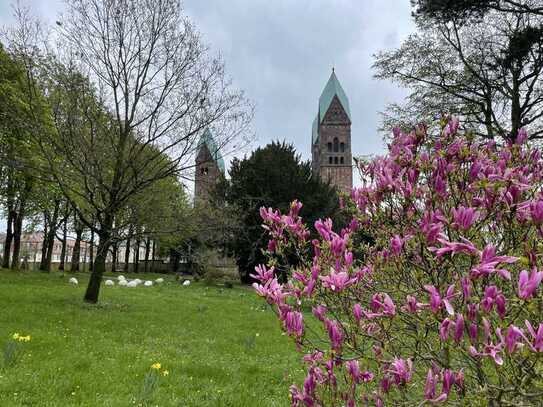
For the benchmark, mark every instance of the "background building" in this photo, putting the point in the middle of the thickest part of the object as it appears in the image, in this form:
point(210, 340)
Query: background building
point(331, 137)
point(209, 167)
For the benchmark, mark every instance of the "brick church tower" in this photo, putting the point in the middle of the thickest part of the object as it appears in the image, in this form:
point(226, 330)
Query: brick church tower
point(209, 167)
point(331, 137)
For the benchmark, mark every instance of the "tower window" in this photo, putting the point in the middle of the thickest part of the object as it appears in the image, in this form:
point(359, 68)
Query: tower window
point(329, 160)
point(204, 170)
point(335, 160)
point(342, 147)
point(329, 147)
point(341, 160)
point(336, 145)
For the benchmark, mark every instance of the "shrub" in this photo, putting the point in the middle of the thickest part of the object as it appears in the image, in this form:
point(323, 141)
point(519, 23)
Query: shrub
point(444, 305)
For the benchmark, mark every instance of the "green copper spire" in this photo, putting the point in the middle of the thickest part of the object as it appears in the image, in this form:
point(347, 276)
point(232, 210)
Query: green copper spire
point(208, 141)
point(333, 88)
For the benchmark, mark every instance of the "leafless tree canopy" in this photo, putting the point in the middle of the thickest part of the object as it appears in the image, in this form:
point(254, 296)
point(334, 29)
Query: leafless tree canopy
point(488, 73)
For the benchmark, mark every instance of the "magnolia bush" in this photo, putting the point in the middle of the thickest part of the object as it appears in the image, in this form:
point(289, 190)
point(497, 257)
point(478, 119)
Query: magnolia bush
point(444, 305)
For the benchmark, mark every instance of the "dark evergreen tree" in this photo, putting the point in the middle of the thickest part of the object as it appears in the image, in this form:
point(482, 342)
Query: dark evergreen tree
point(272, 176)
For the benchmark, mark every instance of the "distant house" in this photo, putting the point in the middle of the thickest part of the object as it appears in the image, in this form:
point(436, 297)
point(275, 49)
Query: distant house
point(31, 249)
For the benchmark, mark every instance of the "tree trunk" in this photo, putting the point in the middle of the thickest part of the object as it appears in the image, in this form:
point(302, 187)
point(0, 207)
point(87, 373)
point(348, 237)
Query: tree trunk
point(91, 259)
point(52, 234)
point(147, 252)
point(17, 232)
point(9, 238)
point(18, 224)
point(114, 255)
point(62, 264)
point(104, 236)
point(153, 257)
point(127, 256)
point(44, 243)
point(137, 255)
point(93, 289)
point(76, 252)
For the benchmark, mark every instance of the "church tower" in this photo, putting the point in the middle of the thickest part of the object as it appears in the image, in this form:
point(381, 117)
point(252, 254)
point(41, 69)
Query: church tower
point(209, 167)
point(331, 137)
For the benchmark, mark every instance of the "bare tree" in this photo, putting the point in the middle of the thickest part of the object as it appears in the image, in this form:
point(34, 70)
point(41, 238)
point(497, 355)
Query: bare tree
point(488, 73)
point(152, 90)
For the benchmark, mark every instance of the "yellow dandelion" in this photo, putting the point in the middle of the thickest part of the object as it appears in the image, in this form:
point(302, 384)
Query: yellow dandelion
point(156, 366)
point(16, 336)
point(165, 373)
point(24, 338)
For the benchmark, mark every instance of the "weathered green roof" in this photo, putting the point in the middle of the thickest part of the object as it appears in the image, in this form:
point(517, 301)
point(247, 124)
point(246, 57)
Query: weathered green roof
point(333, 88)
point(208, 140)
point(315, 130)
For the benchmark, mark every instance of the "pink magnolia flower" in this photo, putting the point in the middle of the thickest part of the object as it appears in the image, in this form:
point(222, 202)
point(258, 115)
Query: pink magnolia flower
point(382, 305)
point(464, 217)
point(337, 281)
point(401, 370)
point(324, 228)
point(320, 311)
point(294, 323)
point(338, 244)
point(459, 328)
point(489, 261)
point(357, 311)
point(465, 246)
point(358, 376)
point(491, 350)
point(396, 245)
point(335, 333)
point(263, 274)
point(537, 337)
point(493, 296)
point(522, 136)
point(412, 305)
point(527, 284)
point(512, 338)
point(436, 300)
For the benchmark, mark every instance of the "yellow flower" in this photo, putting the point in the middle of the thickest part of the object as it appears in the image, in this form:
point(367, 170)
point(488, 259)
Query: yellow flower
point(24, 338)
point(156, 366)
point(165, 373)
point(15, 336)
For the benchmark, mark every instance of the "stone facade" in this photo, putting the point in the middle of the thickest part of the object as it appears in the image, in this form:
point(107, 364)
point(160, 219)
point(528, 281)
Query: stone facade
point(209, 167)
point(331, 142)
point(207, 174)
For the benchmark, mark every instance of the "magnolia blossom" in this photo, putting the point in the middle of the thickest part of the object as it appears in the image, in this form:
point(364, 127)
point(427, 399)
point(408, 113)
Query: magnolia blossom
point(528, 283)
point(337, 281)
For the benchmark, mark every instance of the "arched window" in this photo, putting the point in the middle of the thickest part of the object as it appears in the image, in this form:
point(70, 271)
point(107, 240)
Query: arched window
point(341, 160)
point(329, 147)
point(342, 147)
point(329, 160)
point(336, 145)
point(204, 170)
point(335, 160)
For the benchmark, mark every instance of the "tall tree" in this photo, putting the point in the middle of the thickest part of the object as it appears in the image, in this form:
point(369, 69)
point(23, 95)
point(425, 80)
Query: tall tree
point(447, 10)
point(272, 176)
point(488, 72)
point(153, 89)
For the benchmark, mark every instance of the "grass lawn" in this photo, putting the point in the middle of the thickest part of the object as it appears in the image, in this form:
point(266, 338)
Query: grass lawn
point(222, 347)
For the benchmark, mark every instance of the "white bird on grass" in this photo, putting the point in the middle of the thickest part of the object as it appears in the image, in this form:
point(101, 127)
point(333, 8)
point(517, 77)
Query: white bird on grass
point(159, 280)
point(121, 277)
point(186, 282)
point(132, 284)
point(109, 282)
point(148, 284)
point(123, 283)
point(73, 281)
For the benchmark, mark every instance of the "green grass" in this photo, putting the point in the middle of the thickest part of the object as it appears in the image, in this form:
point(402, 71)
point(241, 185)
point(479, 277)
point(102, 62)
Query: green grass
point(220, 346)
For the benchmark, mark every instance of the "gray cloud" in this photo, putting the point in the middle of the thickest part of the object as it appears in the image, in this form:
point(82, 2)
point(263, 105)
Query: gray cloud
point(281, 53)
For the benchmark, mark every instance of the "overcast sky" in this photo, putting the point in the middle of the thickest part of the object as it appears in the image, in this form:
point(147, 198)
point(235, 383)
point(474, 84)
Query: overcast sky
point(281, 53)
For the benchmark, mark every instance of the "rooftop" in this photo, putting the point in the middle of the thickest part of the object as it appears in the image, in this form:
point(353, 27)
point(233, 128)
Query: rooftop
point(208, 140)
